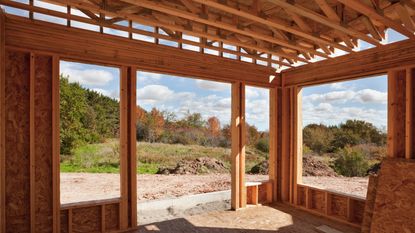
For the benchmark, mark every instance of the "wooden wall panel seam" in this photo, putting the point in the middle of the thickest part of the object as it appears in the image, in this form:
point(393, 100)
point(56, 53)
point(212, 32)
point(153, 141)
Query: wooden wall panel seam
point(32, 145)
point(2, 126)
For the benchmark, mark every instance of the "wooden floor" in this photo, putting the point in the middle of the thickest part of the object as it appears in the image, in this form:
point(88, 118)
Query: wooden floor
point(263, 219)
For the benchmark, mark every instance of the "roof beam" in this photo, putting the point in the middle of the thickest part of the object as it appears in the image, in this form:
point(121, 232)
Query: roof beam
point(298, 9)
point(174, 27)
point(374, 15)
point(271, 24)
point(189, 16)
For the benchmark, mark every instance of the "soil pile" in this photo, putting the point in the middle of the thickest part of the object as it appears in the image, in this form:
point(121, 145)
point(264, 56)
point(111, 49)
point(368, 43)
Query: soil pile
point(203, 165)
point(314, 166)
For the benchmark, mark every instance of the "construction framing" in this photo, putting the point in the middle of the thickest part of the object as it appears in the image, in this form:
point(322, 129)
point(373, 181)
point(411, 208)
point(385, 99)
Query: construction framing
point(266, 43)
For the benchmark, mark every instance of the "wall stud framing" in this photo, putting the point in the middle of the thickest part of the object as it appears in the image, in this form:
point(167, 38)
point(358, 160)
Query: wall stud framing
point(2, 125)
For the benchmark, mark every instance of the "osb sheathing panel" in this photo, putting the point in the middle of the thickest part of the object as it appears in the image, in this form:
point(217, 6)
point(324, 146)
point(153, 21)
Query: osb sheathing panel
point(370, 203)
point(17, 142)
point(358, 211)
point(262, 193)
point(112, 217)
point(318, 200)
point(301, 198)
point(338, 206)
point(43, 145)
point(86, 220)
point(395, 198)
point(64, 221)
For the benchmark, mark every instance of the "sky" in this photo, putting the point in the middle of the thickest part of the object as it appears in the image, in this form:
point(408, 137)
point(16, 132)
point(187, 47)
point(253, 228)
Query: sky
point(328, 104)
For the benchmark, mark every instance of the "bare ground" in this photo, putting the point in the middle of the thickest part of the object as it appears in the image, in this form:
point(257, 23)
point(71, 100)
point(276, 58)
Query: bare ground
point(76, 187)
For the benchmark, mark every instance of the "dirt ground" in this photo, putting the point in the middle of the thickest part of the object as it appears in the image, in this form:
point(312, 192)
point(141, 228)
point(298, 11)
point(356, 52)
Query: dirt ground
point(76, 187)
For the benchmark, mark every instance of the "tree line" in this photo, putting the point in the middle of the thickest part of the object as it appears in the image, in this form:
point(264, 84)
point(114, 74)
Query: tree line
point(87, 117)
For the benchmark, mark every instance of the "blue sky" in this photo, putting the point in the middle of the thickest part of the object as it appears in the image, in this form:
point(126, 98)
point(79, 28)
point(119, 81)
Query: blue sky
point(331, 104)
point(327, 104)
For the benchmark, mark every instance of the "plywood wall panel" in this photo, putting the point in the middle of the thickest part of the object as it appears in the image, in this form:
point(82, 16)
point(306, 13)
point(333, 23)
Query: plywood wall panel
point(317, 199)
point(17, 142)
point(358, 209)
point(112, 217)
point(395, 197)
point(43, 146)
point(338, 206)
point(64, 223)
point(86, 220)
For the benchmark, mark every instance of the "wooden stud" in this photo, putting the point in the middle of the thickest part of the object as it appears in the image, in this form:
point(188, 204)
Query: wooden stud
point(396, 113)
point(273, 140)
point(235, 151)
point(133, 146)
point(409, 130)
point(32, 144)
point(242, 142)
point(56, 143)
point(124, 148)
point(103, 228)
point(2, 125)
point(70, 221)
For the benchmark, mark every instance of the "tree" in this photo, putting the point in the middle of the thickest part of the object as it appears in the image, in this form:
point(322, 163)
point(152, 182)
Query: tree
point(213, 126)
point(318, 137)
point(155, 123)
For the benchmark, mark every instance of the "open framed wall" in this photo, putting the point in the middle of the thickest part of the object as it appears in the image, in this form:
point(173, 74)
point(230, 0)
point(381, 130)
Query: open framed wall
point(400, 70)
point(33, 63)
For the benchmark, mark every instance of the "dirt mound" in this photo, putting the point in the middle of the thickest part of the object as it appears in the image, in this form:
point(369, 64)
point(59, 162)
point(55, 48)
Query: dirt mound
point(260, 168)
point(201, 165)
point(314, 166)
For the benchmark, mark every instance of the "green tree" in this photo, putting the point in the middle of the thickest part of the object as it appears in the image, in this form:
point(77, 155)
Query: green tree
point(351, 162)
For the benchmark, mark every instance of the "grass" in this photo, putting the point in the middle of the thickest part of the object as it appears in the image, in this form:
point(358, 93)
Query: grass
point(104, 157)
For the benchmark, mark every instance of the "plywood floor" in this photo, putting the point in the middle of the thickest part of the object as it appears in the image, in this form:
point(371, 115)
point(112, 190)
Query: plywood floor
point(279, 218)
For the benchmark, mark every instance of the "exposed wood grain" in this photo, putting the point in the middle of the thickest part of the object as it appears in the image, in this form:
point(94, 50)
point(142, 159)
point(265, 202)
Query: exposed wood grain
point(111, 50)
point(17, 145)
point(395, 197)
point(373, 61)
point(2, 126)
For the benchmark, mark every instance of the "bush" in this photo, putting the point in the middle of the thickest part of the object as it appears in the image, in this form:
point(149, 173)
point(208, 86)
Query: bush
point(351, 162)
point(263, 145)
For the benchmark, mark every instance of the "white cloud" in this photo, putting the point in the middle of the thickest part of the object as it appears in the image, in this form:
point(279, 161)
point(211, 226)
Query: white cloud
point(372, 96)
point(362, 96)
point(153, 94)
point(212, 86)
point(92, 77)
point(111, 94)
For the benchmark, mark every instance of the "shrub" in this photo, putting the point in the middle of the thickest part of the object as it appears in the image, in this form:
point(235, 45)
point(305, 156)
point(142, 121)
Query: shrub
point(351, 162)
point(263, 145)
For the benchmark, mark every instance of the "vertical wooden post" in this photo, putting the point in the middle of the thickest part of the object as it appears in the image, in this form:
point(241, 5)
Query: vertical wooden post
point(55, 144)
point(396, 113)
point(298, 142)
point(242, 142)
point(238, 189)
point(2, 126)
point(273, 140)
point(285, 144)
point(133, 146)
point(124, 148)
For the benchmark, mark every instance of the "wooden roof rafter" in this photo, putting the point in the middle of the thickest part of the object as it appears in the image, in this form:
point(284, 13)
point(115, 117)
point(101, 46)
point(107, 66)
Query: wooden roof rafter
point(279, 32)
point(218, 24)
